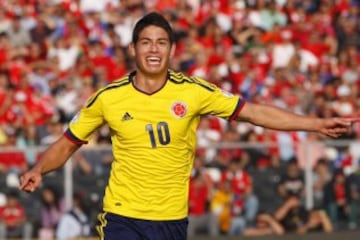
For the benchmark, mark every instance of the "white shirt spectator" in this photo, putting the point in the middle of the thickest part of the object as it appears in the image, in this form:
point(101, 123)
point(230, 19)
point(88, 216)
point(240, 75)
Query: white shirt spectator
point(66, 56)
point(68, 100)
point(123, 29)
point(282, 53)
point(307, 60)
point(97, 6)
point(73, 225)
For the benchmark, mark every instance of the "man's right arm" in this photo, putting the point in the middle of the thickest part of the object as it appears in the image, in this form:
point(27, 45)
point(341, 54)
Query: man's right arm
point(53, 158)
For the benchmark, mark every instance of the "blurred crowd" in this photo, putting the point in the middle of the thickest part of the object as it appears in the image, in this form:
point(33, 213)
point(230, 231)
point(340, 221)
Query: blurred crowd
point(301, 55)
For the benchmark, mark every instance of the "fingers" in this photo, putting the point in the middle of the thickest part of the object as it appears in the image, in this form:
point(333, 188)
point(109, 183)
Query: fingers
point(343, 122)
point(29, 182)
point(347, 121)
point(354, 120)
point(336, 132)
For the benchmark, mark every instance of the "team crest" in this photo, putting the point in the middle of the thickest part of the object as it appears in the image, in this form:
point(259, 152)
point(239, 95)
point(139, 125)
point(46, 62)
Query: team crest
point(179, 109)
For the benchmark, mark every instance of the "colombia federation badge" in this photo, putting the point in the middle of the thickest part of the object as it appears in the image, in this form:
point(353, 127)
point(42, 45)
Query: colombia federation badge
point(178, 109)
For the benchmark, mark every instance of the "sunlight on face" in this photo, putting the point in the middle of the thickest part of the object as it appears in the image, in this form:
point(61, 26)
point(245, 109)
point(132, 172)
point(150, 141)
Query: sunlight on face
point(152, 51)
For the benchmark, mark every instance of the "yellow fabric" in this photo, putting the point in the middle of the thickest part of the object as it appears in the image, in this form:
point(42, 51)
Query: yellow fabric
point(153, 138)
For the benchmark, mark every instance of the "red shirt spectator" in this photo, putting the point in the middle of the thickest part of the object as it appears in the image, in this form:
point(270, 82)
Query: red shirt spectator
point(198, 195)
point(13, 213)
point(240, 181)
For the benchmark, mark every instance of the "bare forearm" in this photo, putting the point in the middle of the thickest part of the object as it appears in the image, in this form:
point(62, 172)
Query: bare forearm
point(253, 232)
point(276, 227)
point(281, 212)
point(55, 156)
point(326, 222)
point(278, 119)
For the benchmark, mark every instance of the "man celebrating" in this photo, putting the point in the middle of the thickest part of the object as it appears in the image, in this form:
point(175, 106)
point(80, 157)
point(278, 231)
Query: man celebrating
point(153, 113)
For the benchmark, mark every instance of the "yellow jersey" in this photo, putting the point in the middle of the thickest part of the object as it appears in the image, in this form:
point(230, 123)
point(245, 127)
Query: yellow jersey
point(153, 141)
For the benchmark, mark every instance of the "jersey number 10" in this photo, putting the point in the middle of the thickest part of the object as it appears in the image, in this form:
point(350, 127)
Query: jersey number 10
point(162, 132)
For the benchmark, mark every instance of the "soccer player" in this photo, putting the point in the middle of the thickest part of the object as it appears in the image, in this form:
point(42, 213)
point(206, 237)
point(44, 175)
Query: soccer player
point(153, 114)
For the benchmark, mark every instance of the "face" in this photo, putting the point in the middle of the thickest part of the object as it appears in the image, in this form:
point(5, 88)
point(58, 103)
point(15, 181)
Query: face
point(153, 51)
point(12, 201)
point(48, 195)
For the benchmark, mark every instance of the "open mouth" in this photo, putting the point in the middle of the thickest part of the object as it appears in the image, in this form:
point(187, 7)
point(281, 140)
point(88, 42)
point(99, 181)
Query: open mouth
point(153, 60)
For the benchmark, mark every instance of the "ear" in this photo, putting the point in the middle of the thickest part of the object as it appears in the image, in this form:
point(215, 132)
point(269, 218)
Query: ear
point(172, 50)
point(132, 49)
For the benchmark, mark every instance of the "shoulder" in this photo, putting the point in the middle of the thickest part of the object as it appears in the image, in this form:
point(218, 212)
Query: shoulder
point(118, 84)
point(108, 89)
point(181, 78)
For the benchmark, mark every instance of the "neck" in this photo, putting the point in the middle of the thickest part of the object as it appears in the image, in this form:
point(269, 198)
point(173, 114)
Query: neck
point(149, 83)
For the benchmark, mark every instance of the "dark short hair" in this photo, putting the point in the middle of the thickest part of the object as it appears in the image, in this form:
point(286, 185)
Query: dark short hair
point(152, 19)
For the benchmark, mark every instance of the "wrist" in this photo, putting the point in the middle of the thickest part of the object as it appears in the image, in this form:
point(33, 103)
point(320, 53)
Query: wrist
point(316, 125)
point(37, 169)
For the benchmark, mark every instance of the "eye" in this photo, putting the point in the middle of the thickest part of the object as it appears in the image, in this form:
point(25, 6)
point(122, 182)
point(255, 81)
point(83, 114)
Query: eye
point(163, 43)
point(144, 42)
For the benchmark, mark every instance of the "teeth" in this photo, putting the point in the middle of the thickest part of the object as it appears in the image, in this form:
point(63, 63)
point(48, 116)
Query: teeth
point(152, 59)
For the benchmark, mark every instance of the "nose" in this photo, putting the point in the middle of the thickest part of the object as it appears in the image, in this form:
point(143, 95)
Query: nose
point(153, 47)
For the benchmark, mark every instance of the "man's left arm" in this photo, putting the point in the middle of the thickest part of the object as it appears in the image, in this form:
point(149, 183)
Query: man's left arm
point(279, 119)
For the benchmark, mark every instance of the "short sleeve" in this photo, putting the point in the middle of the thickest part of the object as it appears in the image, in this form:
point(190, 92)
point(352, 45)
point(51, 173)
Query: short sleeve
point(86, 121)
point(214, 101)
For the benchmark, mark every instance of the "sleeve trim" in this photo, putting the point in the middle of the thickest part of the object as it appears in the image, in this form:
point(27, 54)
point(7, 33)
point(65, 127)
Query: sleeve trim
point(69, 135)
point(238, 109)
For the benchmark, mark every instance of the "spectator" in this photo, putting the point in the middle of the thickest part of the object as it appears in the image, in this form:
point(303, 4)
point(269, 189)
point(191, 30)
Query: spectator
point(65, 52)
point(292, 182)
point(221, 205)
point(5, 23)
point(266, 178)
point(245, 203)
point(337, 199)
point(207, 137)
point(13, 223)
point(40, 32)
point(295, 218)
point(354, 180)
point(5, 94)
point(75, 223)
point(12, 160)
point(271, 14)
point(18, 35)
point(81, 165)
point(200, 218)
point(256, 151)
point(53, 130)
point(322, 176)
point(53, 207)
point(265, 224)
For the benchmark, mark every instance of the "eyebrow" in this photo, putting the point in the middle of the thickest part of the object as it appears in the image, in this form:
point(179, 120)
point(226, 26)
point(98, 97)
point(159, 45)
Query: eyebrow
point(149, 39)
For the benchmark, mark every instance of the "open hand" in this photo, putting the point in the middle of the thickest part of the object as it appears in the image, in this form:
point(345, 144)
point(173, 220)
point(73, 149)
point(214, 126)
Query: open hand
point(335, 127)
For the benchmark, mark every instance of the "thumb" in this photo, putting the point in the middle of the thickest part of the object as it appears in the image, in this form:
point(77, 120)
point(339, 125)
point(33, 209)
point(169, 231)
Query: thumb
point(29, 182)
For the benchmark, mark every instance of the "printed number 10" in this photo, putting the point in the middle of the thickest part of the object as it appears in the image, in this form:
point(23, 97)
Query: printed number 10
point(162, 132)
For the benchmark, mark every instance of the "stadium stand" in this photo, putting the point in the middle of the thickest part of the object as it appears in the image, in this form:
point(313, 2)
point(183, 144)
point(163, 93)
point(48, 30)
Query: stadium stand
point(295, 54)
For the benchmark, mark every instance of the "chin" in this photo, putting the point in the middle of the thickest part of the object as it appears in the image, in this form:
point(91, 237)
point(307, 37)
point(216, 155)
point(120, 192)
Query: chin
point(155, 72)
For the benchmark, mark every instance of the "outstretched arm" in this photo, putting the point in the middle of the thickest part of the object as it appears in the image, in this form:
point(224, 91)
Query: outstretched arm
point(279, 119)
point(53, 158)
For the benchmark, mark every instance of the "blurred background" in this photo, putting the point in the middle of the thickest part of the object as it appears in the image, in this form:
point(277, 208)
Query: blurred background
point(247, 181)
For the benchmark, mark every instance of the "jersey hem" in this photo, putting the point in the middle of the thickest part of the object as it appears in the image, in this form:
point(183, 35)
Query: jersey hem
point(141, 216)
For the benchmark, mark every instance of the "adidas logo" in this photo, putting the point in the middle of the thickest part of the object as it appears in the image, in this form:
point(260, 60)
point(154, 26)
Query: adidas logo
point(126, 117)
